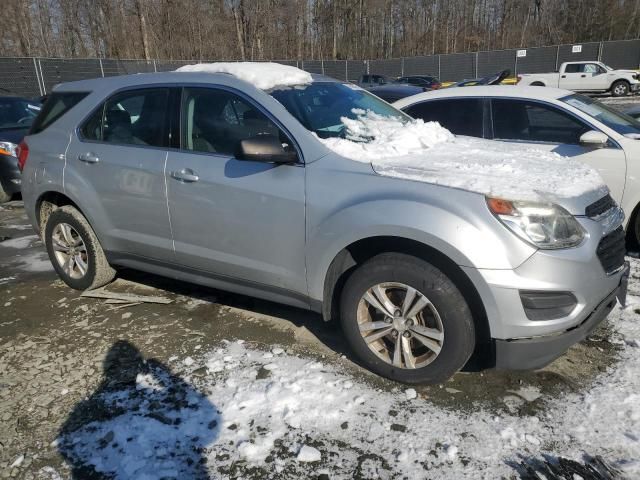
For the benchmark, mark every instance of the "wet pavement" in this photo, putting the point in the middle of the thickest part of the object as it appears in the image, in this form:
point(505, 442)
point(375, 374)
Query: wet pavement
point(53, 343)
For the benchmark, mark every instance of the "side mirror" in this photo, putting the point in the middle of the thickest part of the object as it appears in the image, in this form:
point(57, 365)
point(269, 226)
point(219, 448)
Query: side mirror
point(266, 149)
point(593, 139)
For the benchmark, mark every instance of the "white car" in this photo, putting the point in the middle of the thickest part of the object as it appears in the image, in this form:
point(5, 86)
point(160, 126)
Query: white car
point(550, 119)
point(586, 77)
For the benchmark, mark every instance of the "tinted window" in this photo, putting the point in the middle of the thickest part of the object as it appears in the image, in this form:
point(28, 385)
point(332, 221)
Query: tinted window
point(461, 116)
point(621, 123)
point(137, 117)
point(534, 122)
point(56, 105)
point(573, 68)
point(17, 112)
point(216, 121)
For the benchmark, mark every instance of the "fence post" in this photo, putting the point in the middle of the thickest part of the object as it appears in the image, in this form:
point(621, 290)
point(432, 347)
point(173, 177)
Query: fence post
point(515, 65)
point(322, 65)
point(35, 68)
point(44, 85)
point(557, 56)
point(439, 72)
point(600, 51)
point(346, 71)
point(476, 64)
point(101, 69)
point(367, 62)
point(401, 66)
point(155, 67)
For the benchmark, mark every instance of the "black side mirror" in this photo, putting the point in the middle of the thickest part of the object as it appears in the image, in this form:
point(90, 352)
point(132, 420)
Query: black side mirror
point(266, 149)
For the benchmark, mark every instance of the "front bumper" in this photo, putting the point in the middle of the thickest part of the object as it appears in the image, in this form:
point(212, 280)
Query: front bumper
point(10, 177)
point(536, 352)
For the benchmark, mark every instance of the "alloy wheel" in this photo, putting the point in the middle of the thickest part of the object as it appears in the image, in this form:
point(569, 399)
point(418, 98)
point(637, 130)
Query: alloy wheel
point(70, 250)
point(400, 325)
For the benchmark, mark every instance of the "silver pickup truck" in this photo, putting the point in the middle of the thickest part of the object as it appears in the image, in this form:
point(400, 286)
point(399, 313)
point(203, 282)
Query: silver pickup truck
point(586, 77)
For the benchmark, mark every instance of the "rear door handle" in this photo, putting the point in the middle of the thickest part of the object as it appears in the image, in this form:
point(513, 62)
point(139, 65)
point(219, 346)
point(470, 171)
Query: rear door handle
point(563, 76)
point(185, 175)
point(88, 157)
point(583, 76)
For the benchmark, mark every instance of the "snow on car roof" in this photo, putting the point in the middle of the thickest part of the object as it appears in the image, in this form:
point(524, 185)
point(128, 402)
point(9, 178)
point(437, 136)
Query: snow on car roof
point(263, 75)
point(429, 153)
point(539, 93)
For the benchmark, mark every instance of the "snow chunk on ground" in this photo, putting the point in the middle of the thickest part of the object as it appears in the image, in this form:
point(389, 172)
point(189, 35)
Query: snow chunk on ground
point(263, 75)
point(429, 153)
point(308, 454)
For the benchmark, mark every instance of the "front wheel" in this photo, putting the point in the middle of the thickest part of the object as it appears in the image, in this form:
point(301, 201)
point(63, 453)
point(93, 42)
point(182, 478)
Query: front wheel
point(620, 88)
point(406, 320)
point(74, 250)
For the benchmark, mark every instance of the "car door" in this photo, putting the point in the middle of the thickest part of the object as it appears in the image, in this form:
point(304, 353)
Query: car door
point(461, 116)
point(573, 77)
point(236, 219)
point(548, 127)
point(594, 77)
point(115, 167)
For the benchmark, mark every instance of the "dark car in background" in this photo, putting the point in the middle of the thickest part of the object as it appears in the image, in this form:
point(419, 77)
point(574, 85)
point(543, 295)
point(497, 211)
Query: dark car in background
point(372, 80)
point(392, 92)
point(16, 116)
point(424, 81)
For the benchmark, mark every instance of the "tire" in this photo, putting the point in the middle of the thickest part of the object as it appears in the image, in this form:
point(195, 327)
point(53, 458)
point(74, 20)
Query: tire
point(448, 316)
point(4, 196)
point(66, 223)
point(620, 88)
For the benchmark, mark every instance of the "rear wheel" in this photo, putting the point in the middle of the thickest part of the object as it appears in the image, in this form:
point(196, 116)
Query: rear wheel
point(406, 320)
point(4, 196)
point(537, 84)
point(74, 250)
point(620, 88)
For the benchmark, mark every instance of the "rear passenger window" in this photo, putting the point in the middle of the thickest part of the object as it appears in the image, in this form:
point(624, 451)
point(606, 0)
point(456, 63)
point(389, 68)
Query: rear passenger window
point(137, 117)
point(461, 116)
point(215, 121)
point(56, 105)
point(534, 122)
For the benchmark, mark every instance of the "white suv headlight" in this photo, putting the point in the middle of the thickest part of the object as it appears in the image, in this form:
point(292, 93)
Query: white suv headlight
point(545, 225)
point(8, 148)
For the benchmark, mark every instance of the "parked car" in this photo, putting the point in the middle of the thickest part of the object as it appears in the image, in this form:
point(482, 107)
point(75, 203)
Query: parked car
point(549, 119)
point(595, 77)
point(372, 80)
point(427, 82)
point(205, 178)
point(393, 92)
point(16, 116)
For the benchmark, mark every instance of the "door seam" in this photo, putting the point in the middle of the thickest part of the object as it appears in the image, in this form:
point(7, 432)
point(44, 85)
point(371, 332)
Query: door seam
point(166, 196)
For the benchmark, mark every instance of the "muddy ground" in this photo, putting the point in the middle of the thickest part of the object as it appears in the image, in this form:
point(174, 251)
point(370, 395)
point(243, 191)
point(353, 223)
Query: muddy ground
point(53, 343)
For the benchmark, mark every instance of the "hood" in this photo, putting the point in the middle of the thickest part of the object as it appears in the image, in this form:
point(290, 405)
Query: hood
point(13, 135)
point(429, 153)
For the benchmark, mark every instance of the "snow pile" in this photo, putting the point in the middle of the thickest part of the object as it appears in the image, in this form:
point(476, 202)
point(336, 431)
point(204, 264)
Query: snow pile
point(263, 75)
point(427, 152)
point(247, 412)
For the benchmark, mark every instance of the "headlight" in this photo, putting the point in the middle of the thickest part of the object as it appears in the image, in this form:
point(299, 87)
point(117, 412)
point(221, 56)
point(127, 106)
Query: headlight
point(8, 148)
point(545, 225)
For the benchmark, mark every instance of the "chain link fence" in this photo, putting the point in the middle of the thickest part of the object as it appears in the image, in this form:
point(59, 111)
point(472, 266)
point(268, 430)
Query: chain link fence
point(34, 76)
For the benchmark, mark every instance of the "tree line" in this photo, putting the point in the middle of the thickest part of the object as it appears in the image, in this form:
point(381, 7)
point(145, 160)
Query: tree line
point(303, 29)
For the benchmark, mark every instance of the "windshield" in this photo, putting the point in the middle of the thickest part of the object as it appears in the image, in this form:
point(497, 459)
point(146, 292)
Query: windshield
point(17, 112)
point(621, 123)
point(321, 105)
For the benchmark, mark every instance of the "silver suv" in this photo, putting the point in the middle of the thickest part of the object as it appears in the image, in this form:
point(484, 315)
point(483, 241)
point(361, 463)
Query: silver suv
point(207, 179)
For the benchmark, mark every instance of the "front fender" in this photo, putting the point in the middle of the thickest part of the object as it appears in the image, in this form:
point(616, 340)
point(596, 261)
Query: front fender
point(469, 236)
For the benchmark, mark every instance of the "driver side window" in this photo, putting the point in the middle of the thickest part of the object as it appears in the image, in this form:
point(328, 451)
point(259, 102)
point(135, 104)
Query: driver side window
point(216, 121)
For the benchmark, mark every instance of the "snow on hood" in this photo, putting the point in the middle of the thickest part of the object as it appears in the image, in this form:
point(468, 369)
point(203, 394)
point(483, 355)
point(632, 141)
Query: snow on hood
point(429, 153)
point(263, 75)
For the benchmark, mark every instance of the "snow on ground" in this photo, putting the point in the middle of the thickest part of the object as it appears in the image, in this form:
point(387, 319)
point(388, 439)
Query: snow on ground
point(241, 411)
point(263, 75)
point(429, 153)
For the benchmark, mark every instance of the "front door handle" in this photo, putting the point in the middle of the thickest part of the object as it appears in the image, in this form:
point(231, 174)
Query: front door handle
point(88, 157)
point(563, 76)
point(185, 175)
point(583, 76)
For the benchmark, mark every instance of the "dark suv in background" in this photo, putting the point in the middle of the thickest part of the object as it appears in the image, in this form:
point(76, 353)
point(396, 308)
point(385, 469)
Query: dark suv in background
point(16, 116)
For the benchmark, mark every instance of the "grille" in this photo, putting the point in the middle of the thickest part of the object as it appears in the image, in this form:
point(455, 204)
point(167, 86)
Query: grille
point(611, 250)
point(599, 207)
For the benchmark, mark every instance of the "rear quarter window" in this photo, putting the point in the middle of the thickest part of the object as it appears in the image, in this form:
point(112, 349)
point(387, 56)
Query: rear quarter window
point(55, 107)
